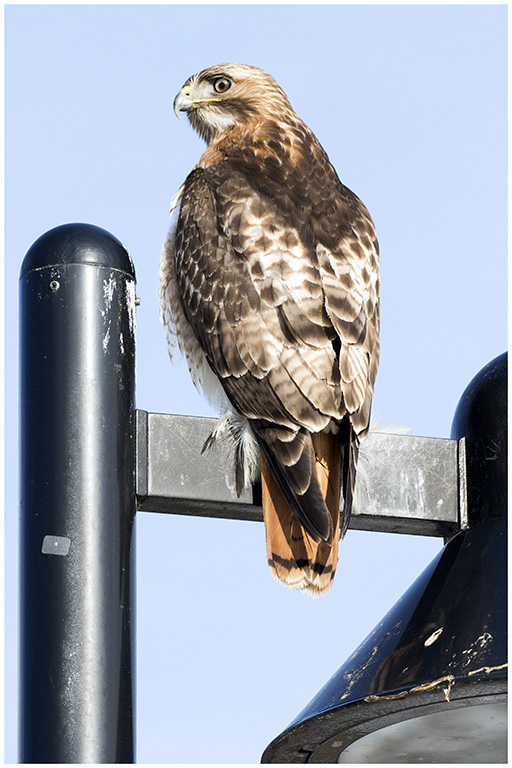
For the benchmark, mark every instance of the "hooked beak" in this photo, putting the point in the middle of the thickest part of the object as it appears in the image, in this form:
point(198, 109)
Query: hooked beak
point(183, 101)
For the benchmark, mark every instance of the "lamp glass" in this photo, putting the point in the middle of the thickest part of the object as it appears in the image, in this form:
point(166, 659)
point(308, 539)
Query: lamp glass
point(470, 734)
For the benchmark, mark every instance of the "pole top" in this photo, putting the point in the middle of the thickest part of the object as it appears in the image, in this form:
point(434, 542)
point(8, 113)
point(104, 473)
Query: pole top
point(84, 244)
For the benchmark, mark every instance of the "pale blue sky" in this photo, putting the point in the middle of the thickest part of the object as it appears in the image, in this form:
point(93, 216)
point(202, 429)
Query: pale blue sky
point(410, 104)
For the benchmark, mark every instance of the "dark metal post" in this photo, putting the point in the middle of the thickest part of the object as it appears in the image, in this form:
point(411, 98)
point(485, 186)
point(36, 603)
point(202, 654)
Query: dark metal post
point(77, 289)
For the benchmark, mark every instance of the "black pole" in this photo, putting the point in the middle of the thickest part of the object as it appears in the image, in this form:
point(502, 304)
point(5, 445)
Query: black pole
point(77, 291)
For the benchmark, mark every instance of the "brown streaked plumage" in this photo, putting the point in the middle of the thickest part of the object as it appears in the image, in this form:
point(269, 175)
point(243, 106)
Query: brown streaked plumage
point(269, 284)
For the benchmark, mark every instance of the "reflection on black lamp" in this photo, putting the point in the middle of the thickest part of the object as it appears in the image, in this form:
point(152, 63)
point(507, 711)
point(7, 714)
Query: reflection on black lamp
point(429, 683)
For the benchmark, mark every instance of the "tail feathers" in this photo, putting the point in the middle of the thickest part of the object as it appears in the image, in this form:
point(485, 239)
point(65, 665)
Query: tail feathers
point(294, 557)
point(290, 457)
point(302, 545)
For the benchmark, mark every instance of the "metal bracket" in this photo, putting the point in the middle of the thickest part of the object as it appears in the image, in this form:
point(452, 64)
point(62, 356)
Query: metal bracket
point(405, 484)
point(463, 486)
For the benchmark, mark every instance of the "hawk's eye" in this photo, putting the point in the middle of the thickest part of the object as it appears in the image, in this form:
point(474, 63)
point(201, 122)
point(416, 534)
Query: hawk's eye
point(222, 84)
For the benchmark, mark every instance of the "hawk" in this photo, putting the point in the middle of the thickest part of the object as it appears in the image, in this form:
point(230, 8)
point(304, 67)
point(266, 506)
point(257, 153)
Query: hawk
point(269, 284)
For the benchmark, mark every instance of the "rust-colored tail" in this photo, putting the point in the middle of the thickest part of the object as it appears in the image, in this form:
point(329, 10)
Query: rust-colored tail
point(294, 557)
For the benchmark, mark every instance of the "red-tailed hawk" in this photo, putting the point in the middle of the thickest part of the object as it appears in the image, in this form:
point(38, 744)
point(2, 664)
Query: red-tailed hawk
point(269, 284)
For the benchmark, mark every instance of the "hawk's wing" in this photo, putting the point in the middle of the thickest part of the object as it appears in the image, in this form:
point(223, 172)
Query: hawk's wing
point(279, 285)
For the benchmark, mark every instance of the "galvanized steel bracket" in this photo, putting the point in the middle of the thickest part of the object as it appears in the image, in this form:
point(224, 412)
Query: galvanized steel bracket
point(405, 484)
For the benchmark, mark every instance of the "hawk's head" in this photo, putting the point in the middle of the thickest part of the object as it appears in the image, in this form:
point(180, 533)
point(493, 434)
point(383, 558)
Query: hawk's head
point(230, 94)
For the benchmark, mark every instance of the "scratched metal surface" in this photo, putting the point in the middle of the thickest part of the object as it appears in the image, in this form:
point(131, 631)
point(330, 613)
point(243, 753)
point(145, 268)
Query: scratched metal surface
point(405, 484)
